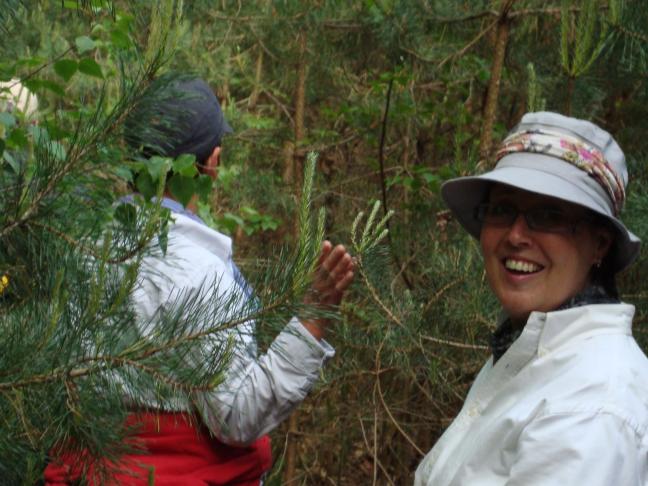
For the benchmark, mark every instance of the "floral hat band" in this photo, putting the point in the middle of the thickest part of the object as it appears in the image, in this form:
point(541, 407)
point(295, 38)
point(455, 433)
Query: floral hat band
point(576, 151)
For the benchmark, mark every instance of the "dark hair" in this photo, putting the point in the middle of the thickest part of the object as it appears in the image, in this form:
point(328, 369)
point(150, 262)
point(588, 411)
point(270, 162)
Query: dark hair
point(604, 275)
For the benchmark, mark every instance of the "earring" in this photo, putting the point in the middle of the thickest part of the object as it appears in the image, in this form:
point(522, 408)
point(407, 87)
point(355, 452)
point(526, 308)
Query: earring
point(597, 264)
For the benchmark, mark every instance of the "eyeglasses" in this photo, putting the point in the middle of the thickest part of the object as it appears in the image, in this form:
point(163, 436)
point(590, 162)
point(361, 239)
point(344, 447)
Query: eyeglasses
point(546, 219)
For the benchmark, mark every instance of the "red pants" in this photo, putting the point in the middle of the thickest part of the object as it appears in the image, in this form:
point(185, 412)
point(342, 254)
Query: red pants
point(177, 453)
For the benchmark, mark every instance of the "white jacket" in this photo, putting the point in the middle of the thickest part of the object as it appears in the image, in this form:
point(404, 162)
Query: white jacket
point(566, 405)
point(259, 391)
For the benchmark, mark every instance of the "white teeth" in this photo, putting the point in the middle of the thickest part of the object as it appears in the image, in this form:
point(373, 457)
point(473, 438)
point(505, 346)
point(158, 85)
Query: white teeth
point(518, 266)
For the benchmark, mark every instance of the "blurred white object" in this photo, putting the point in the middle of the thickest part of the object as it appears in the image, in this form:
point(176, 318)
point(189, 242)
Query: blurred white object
point(15, 97)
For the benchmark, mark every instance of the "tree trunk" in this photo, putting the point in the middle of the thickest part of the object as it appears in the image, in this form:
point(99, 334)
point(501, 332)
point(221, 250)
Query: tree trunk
point(254, 96)
point(225, 87)
point(492, 96)
point(297, 167)
point(300, 105)
point(288, 175)
point(570, 95)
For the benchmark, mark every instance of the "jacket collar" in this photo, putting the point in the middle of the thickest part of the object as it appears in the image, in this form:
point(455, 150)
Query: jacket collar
point(546, 332)
point(564, 326)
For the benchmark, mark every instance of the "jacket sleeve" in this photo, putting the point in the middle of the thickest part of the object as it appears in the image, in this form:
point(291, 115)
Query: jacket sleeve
point(260, 392)
point(597, 449)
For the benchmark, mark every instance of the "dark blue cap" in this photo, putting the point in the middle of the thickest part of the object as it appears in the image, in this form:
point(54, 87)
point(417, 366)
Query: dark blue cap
point(181, 116)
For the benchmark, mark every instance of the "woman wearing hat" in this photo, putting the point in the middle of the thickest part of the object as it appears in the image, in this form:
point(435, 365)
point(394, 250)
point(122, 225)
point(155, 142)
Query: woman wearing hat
point(564, 398)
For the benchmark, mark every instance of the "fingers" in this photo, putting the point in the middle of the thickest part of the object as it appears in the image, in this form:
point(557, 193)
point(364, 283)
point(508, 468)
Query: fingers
point(344, 282)
point(337, 261)
point(334, 275)
point(327, 246)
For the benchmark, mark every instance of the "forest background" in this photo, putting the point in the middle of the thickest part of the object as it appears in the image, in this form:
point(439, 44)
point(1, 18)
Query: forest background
point(396, 97)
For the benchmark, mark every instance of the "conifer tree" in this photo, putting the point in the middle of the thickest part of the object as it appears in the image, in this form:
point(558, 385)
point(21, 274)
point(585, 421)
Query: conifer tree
point(70, 252)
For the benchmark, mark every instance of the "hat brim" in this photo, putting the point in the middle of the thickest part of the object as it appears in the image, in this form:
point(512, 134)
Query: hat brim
point(227, 128)
point(540, 174)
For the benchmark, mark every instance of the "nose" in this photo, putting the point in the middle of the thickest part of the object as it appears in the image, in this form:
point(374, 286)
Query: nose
point(519, 233)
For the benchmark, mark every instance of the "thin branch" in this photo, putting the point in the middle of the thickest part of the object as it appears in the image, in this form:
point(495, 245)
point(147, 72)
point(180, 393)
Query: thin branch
point(383, 182)
point(386, 408)
point(456, 344)
point(255, 18)
point(366, 441)
point(326, 146)
point(467, 18)
point(513, 14)
point(374, 295)
point(630, 33)
point(40, 68)
point(547, 11)
point(91, 251)
point(381, 148)
point(76, 153)
point(104, 363)
point(440, 292)
point(282, 106)
point(470, 44)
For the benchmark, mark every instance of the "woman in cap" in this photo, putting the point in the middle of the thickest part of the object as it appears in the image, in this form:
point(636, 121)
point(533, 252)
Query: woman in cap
point(564, 398)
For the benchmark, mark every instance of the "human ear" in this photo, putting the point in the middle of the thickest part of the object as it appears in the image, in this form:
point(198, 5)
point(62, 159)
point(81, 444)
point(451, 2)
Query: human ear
point(211, 164)
point(603, 241)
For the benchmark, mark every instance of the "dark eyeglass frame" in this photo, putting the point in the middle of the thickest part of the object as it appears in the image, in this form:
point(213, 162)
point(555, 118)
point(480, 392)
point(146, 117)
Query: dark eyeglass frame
point(542, 219)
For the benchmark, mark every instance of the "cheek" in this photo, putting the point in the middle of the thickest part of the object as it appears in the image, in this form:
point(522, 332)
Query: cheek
point(488, 239)
point(573, 258)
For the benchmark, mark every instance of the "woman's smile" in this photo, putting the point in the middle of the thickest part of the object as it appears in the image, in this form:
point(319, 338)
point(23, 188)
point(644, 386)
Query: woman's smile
point(519, 266)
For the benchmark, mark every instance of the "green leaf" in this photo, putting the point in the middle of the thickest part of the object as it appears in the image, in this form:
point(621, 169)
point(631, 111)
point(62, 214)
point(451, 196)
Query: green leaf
point(157, 167)
point(40, 134)
point(203, 186)
point(66, 68)
point(57, 150)
point(31, 62)
point(71, 4)
point(120, 39)
point(251, 214)
point(163, 238)
point(124, 173)
point(57, 132)
point(182, 188)
point(52, 86)
point(11, 161)
point(32, 84)
point(84, 44)
point(230, 222)
point(7, 119)
point(90, 67)
point(185, 165)
point(145, 185)
point(269, 223)
point(18, 138)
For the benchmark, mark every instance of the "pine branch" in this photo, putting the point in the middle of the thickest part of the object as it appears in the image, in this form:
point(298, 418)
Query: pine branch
point(629, 33)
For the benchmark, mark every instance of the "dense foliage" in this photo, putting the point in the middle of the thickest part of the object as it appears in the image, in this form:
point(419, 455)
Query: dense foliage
point(396, 96)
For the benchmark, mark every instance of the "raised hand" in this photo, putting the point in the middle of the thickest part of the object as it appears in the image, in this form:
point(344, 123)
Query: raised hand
point(333, 276)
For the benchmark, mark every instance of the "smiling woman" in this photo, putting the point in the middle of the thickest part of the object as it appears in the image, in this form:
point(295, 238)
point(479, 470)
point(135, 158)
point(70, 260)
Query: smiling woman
point(538, 265)
point(564, 398)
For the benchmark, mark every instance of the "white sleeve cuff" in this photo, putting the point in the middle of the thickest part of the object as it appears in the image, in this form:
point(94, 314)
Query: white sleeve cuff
point(305, 351)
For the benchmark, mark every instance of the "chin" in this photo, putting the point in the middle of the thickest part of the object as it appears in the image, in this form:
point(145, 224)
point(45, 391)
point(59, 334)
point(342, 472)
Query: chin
point(519, 312)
